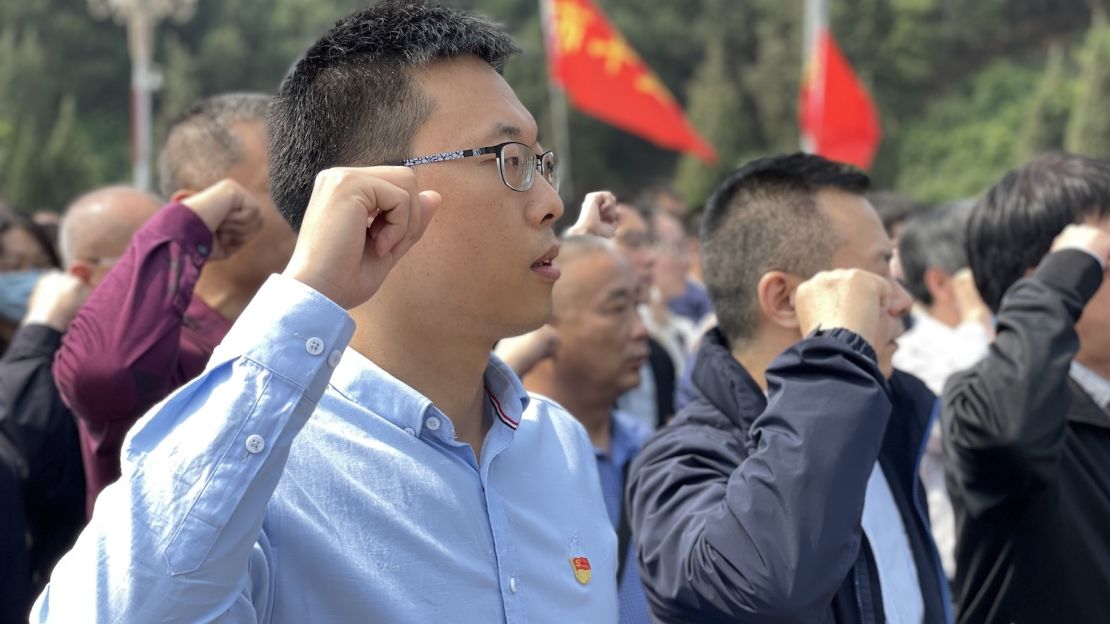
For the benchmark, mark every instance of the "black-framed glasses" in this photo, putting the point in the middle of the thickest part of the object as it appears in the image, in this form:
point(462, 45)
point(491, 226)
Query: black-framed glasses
point(516, 161)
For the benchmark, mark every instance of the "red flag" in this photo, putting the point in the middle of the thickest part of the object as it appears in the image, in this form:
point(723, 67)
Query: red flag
point(839, 120)
point(605, 78)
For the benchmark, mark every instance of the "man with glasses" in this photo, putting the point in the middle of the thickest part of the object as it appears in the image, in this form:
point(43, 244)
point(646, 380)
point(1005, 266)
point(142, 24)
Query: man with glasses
point(353, 453)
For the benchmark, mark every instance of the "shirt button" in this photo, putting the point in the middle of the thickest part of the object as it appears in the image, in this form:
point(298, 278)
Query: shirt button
point(432, 423)
point(410, 431)
point(255, 444)
point(333, 359)
point(314, 346)
point(512, 584)
point(202, 249)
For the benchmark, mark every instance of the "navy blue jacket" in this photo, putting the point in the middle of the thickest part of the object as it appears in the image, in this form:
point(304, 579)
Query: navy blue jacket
point(748, 509)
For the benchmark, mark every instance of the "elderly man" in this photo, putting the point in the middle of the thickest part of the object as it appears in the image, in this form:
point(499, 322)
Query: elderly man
point(602, 344)
point(38, 434)
point(353, 452)
point(186, 277)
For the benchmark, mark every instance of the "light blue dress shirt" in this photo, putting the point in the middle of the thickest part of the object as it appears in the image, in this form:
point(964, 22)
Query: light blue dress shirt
point(296, 482)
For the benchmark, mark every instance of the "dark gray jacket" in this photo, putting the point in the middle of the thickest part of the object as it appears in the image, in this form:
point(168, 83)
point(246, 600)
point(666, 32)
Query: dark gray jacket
point(749, 511)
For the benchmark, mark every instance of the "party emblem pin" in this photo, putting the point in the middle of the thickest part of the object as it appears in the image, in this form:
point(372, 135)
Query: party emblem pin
point(581, 566)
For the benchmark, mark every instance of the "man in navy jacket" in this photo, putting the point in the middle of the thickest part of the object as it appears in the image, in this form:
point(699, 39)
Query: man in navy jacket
point(788, 490)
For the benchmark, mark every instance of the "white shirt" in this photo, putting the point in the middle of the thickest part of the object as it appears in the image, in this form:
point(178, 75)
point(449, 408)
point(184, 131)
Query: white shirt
point(932, 351)
point(890, 545)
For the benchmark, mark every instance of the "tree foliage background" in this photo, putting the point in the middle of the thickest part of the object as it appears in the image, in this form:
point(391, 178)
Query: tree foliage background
point(966, 88)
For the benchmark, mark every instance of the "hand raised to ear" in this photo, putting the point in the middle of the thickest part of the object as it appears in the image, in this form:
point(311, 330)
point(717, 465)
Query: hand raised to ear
point(852, 299)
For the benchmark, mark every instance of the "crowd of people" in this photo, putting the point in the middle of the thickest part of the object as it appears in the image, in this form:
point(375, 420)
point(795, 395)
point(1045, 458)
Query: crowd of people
point(343, 368)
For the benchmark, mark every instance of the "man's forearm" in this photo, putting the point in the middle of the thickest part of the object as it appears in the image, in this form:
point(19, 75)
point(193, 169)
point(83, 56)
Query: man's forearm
point(172, 538)
point(1004, 417)
point(121, 350)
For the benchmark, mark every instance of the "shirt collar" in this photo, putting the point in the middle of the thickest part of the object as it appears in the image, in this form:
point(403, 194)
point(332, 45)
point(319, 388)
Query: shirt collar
point(1093, 384)
point(367, 384)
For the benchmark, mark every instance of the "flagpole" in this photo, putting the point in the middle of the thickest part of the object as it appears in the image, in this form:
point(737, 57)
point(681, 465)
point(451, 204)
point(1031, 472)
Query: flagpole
point(816, 17)
point(557, 101)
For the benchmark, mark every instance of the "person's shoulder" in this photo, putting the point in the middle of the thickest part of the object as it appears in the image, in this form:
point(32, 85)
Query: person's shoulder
point(696, 429)
point(548, 415)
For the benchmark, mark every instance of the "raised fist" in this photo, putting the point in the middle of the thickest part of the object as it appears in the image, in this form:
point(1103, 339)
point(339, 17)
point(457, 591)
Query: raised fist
point(358, 224)
point(55, 300)
point(867, 304)
point(231, 214)
point(1093, 238)
point(598, 216)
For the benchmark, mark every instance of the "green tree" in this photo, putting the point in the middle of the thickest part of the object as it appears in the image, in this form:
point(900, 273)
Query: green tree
point(1089, 126)
point(714, 110)
point(966, 139)
point(1047, 120)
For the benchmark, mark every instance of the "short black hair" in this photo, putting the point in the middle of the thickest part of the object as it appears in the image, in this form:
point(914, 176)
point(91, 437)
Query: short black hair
point(352, 100)
point(764, 217)
point(934, 239)
point(200, 145)
point(1013, 225)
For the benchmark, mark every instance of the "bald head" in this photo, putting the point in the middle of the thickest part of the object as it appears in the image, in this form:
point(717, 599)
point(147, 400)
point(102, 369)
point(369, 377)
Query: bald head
point(98, 226)
point(602, 340)
point(575, 284)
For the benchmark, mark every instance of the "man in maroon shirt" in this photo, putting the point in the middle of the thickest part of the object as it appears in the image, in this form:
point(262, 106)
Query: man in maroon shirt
point(187, 275)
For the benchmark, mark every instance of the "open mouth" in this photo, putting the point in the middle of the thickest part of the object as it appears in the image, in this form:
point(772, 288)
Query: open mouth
point(545, 265)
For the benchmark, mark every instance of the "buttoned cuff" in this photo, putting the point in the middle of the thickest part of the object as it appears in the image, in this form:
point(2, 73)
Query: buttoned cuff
point(292, 330)
point(177, 222)
point(848, 338)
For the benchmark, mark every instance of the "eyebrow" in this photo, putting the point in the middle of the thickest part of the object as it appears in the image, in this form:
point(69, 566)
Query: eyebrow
point(510, 131)
point(506, 130)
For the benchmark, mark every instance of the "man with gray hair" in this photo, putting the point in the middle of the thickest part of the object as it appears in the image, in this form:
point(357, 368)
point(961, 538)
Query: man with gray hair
point(185, 278)
point(951, 327)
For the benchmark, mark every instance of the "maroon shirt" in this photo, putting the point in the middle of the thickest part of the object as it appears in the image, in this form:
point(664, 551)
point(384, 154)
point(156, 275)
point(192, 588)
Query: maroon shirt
point(140, 336)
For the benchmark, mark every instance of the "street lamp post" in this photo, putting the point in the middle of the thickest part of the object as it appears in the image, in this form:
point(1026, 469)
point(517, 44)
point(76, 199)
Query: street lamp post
point(141, 17)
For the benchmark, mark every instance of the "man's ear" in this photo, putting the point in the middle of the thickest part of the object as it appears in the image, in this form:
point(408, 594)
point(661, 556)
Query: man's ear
point(776, 298)
point(81, 270)
point(939, 285)
point(181, 194)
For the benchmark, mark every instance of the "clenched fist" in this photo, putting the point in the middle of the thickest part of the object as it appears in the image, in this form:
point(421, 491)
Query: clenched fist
point(231, 214)
point(55, 300)
point(1092, 237)
point(860, 301)
point(598, 216)
point(358, 224)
